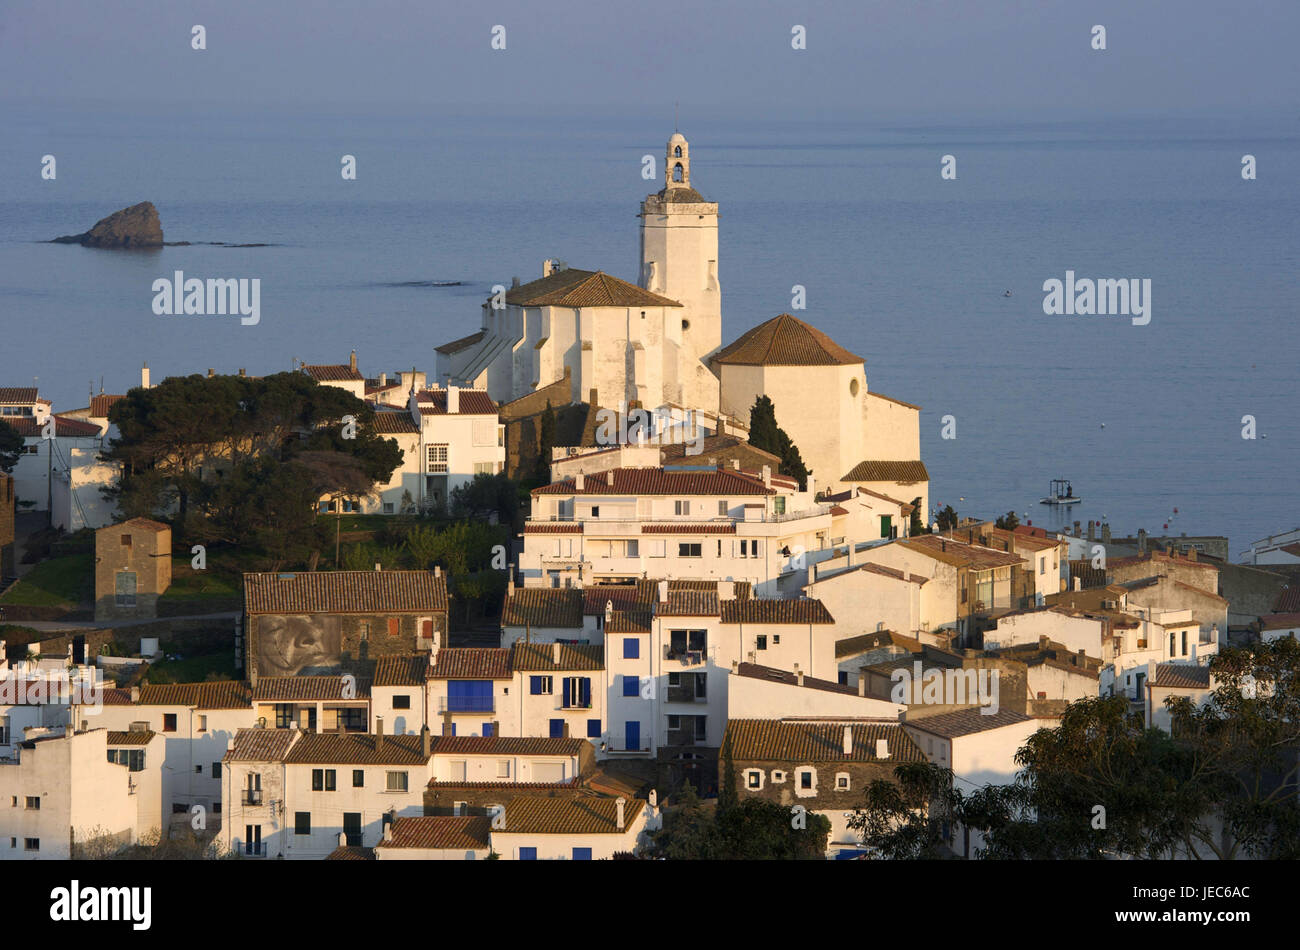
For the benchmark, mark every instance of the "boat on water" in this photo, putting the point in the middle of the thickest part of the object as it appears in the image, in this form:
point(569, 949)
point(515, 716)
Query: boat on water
point(1061, 493)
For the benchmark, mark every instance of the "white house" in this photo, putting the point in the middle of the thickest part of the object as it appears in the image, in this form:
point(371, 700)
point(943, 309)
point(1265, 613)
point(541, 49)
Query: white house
point(593, 829)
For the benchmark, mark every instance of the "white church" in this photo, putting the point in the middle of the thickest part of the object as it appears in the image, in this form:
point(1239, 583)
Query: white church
point(658, 343)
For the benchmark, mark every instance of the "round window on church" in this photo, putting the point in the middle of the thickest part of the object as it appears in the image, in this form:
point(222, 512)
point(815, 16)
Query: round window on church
point(853, 386)
point(686, 324)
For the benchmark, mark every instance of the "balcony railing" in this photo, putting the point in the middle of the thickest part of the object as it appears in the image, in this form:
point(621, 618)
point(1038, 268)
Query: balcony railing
point(467, 704)
point(254, 850)
point(685, 694)
point(684, 656)
point(251, 797)
point(684, 737)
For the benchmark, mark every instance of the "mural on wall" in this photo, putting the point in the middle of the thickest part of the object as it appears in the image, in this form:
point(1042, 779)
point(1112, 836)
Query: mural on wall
point(298, 645)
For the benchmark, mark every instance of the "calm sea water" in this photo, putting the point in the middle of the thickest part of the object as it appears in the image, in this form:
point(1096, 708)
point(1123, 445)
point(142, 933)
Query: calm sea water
point(901, 267)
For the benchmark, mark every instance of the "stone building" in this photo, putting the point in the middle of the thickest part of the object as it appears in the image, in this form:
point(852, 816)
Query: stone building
point(133, 566)
point(321, 622)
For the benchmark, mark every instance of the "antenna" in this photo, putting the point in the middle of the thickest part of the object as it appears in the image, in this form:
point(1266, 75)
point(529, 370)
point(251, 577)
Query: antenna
point(675, 110)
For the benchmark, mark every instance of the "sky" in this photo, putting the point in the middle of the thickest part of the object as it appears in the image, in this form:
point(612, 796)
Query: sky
point(942, 58)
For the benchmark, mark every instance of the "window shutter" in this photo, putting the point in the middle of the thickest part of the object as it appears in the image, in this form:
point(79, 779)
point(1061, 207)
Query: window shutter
point(584, 691)
point(567, 684)
point(535, 685)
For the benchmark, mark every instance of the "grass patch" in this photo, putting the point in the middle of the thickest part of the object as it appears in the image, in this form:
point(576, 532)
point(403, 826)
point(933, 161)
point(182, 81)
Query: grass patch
point(194, 669)
point(59, 582)
point(189, 584)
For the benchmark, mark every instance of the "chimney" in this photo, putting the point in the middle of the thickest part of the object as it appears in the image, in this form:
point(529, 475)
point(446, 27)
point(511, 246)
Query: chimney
point(609, 611)
point(383, 380)
point(609, 478)
point(907, 575)
point(566, 730)
point(735, 465)
point(1142, 541)
point(379, 733)
point(426, 740)
point(1092, 530)
point(144, 376)
point(767, 476)
point(1077, 583)
point(862, 684)
point(882, 748)
point(798, 674)
point(555, 652)
point(1105, 532)
point(388, 828)
point(848, 740)
point(514, 281)
point(618, 810)
point(1042, 642)
point(496, 727)
point(135, 694)
point(735, 666)
point(663, 592)
point(211, 372)
point(352, 361)
point(377, 566)
point(1191, 554)
point(579, 482)
point(453, 400)
point(437, 570)
point(343, 840)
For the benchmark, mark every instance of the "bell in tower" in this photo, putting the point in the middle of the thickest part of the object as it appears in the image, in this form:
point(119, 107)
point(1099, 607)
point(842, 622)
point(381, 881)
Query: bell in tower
point(677, 165)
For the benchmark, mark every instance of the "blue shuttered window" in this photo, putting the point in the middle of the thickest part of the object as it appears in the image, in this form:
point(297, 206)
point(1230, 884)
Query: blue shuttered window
point(631, 648)
point(582, 854)
point(469, 695)
point(631, 685)
point(593, 728)
point(557, 728)
point(527, 854)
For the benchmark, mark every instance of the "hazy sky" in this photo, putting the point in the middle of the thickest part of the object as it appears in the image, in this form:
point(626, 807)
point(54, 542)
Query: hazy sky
point(902, 56)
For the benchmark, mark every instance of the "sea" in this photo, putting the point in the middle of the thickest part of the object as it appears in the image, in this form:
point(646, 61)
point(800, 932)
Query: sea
point(938, 283)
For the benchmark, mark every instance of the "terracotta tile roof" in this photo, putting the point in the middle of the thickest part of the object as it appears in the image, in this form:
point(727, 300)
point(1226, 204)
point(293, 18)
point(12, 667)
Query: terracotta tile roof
point(1280, 621)
point(288, 689)
point(623, 596)
point(959, 553)
point(1288, 599)
point(389, 422)
point(761, 610)
point(437, 832)
point(473, 402)
point(772, 674)
point(455, 346)
point(143, 524)
point(1181, 676)
point(852, 646)
point(885, 470)
point(543, 607)
point(218, 695)
point(783, 740)
point(562, 816)
point(966, 722)
point(504, 785)
point(356, 592)
point(896, 401)
point(583, 288)
point(892, 572)
point(573, 656)
point(260, 745)
point(689, 603)
point(332, 373)
point(837, 510)
point(553, 527)
point(699, 527)
point(472, 663)
point(629, 621)
point(407, 670)
point(99, 405)
point(713, 444)
point(27, 427)
point(116, 697)
point(785, 341)
point(337, 748)
point(660, 481)
point(17, 395)
point(351, 853)
point(506, 745)
point(130, 738)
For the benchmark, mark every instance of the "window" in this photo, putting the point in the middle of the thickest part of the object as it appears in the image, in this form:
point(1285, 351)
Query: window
point(631, 648)
point(778, 506)
point(283, 715)
point(1042, 566)
point(527, 854)
point(397, 781)
point(488, 730)
point(540, 685)
point(557, 729)
point(754, 779)
point(841, 781)
point(125, 589)
point(681, 508)
point(394, 626)
point(388, 507)
point(744, 549)
point(358, 778)
point(401, 702)
point(437, 459)
point(632, 549)
point(885, 525)
point(31, 844)
point(302, 822)
point(690, 550)
point(806, 779)
point(722, 507)
point(595, 511)
point(352, 828)
point(216, 770)
point(1184, 643)
point(503, 768)
point(1173, 644)
point(778, 777)
point(485, 468)
point(323, 780)
point(631, 685)
point(169, 722)
point(582, 854)
point(203, 724)
point(126, 540)
point(34, 802)
point(761, 643)
point(458, 809)
point(470, 696)
point(365, 630)
point(593, 728)
point(844, 678)
point(577, 692)
point(198, 770)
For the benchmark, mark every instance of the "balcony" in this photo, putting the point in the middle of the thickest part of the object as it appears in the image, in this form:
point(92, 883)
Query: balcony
point(467, 704)
point(684, 737)
point(251, 796)
point(257, 850)
point(685, 694)
point(684, 656)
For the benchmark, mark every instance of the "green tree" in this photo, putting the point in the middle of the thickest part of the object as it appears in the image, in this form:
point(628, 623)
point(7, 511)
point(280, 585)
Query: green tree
point(765, 434)
point(11, 447)
point(918, 525)
point(911, 816)
point(728, 797)
point(947, 518)
point(545, 442)
point(484, 495)
point(1009, 521)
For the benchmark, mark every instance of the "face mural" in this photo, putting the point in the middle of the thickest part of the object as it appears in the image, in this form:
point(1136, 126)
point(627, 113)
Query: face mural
point(298, 645)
